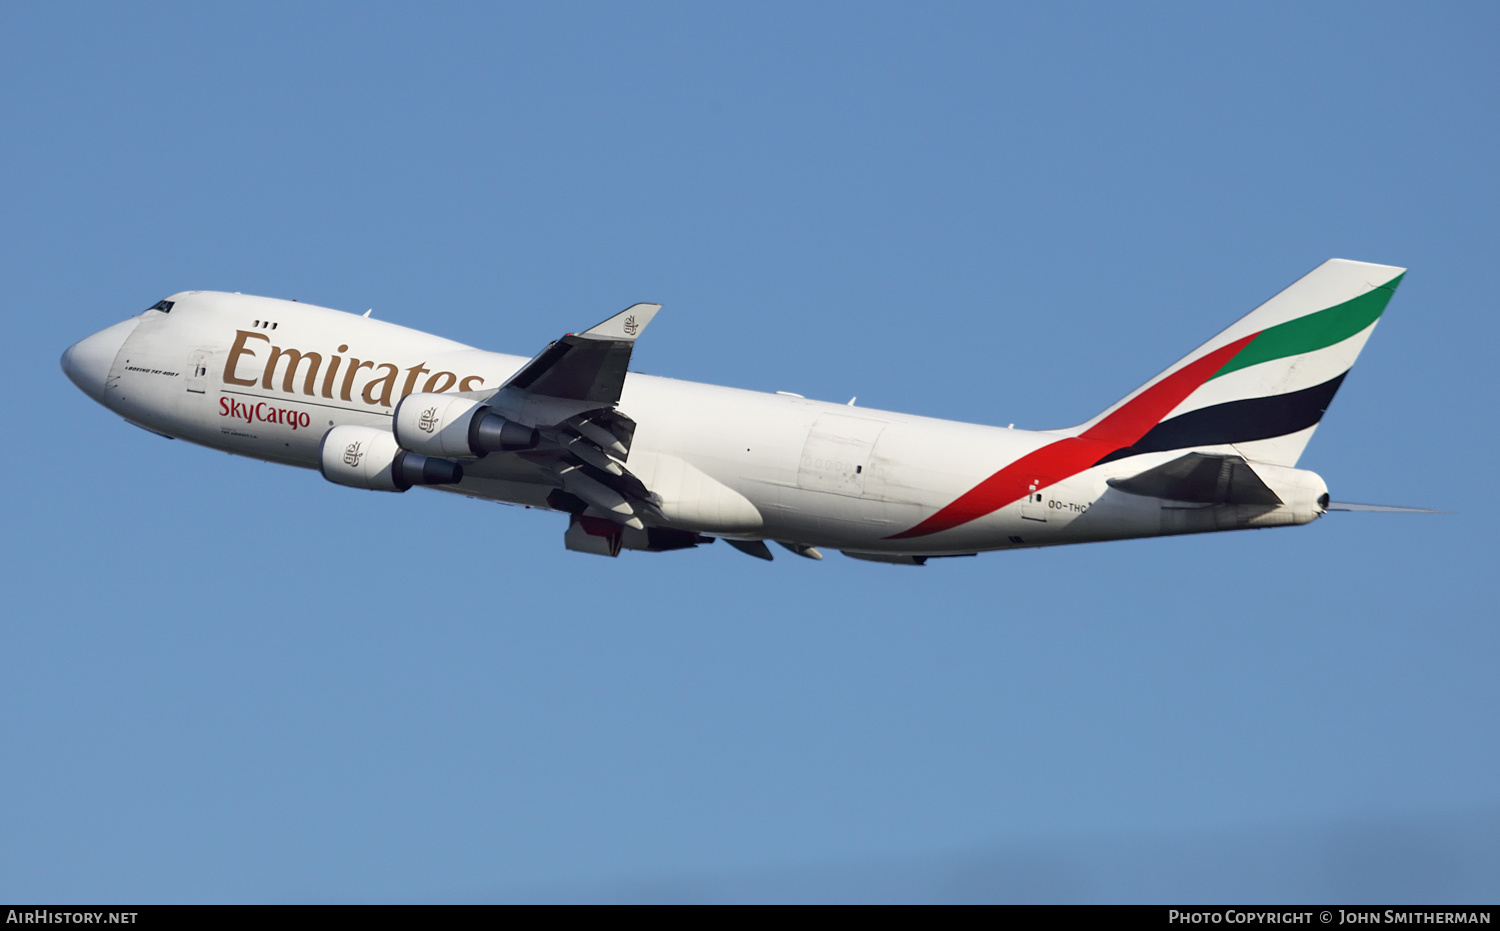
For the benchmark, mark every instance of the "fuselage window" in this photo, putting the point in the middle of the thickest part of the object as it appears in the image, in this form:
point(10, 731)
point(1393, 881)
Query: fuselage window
point(163, 306)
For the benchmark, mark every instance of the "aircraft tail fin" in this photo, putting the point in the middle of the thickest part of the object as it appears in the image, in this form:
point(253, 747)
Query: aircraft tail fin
point(1259, 388)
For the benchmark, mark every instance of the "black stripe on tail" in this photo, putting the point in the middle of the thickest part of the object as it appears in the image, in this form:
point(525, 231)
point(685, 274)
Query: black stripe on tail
point(1237, 421)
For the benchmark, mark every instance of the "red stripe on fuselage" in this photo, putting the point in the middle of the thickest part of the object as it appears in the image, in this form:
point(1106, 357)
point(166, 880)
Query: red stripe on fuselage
point(1066, 458)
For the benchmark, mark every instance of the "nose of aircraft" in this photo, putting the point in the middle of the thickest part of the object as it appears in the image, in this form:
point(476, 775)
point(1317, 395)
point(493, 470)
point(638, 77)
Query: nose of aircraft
point(87, 362)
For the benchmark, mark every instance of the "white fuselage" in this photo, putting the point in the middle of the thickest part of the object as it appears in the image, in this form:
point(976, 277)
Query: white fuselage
point(268, 378)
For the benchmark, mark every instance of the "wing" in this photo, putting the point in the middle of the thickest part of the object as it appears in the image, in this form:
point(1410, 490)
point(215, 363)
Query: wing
point(588, 366)
point(570, 393)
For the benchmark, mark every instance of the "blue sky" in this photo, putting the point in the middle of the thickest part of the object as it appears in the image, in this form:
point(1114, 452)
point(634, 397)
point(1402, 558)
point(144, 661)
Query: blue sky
point(231, 681)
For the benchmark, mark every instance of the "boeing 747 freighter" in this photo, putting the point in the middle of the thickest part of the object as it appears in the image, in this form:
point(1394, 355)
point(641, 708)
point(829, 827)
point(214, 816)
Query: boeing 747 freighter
point(640, 462)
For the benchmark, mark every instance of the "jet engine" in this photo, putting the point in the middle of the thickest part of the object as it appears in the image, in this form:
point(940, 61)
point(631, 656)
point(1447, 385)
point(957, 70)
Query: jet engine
point(365, 457)
point(456, 427)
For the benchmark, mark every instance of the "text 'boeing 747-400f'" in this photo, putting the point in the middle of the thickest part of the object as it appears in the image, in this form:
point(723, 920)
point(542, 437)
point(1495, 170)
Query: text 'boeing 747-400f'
point(647, 463)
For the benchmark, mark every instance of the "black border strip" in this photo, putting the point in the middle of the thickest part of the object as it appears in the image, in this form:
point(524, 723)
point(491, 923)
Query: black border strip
point(1237, 421)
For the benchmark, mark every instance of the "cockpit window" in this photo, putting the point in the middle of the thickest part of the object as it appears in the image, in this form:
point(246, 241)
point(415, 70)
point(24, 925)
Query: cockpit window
point(163, 306)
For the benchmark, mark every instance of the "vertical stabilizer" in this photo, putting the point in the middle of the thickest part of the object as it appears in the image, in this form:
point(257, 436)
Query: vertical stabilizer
point(1259, 388)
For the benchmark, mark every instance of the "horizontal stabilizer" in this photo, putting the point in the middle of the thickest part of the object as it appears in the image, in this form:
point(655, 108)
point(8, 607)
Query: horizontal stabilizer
point(1201, 479)
point(1381, 508)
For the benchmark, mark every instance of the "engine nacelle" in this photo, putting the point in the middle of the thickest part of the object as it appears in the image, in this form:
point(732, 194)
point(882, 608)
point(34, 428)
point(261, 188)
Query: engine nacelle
point(456, 428)
point(364, 457)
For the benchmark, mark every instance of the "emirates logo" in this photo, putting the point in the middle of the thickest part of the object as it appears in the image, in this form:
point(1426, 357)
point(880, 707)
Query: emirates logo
point(428, 421)
point(631, 327)
point(352, 455)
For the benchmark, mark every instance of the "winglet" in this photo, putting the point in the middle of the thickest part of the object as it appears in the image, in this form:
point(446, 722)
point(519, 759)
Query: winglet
point(587, 366)
point(625, 325)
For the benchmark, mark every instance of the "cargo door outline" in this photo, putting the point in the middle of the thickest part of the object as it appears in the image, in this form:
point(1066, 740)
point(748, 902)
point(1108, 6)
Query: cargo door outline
point(836, 454)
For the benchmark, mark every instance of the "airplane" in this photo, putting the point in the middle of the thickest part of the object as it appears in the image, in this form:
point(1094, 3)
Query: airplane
point(640, 462)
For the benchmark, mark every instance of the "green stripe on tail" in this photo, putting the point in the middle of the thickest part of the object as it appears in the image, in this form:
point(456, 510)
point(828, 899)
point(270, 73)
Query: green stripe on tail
point(1314, 331)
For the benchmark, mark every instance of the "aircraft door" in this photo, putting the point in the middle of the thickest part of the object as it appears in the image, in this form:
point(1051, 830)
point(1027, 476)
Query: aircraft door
point(197, 373)
point(836, 456)
point(1034, 505)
